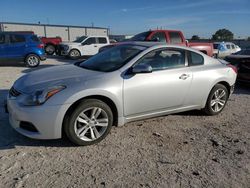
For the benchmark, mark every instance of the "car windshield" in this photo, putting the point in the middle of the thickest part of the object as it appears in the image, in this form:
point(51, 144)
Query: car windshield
point(80, 39)
point(112, 59)
point(140, 37)
point(243, 52)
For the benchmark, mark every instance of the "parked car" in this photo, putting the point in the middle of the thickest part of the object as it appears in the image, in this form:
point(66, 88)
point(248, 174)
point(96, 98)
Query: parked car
point(51, 44)
point(223, 49)
point(169, 37)
point(241, 60)
point(24, 47)
point(83, 46)
point(126, 83)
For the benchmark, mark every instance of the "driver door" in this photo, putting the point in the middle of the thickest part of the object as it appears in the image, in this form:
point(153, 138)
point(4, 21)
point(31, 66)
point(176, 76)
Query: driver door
point(163, 89)
point(89, 47)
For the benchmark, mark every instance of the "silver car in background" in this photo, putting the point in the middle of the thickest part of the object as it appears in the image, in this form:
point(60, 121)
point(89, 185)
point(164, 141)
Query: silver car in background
point(126, 83)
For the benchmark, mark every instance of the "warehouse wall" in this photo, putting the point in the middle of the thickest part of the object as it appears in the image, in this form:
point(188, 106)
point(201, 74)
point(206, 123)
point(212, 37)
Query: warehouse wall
point(39, 30)
point(94, 31)
point(76, 32)
point(52, 31)
point(67, 33)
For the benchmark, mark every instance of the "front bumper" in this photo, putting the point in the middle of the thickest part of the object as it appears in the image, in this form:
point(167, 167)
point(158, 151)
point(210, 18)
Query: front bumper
point(47, 120)
point(62, 51)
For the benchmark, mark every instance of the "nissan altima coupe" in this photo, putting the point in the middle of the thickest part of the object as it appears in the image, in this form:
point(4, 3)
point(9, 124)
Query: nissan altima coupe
point(123, 84)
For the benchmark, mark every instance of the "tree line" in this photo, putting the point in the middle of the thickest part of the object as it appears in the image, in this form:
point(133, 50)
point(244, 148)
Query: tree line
point(221, 34)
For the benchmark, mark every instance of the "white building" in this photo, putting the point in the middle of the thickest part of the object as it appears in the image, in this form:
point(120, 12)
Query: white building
point(66, 32)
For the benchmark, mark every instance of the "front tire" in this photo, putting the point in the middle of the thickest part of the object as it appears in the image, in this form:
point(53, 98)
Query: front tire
point(217, 100)
point(74, 54)
point(32, 60)
point(89, 123)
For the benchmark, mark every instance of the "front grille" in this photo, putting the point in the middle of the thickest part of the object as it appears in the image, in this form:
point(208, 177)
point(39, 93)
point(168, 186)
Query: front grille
point(13, 92)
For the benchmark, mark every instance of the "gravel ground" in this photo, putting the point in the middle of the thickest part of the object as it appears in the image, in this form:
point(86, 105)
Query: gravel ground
point(181, 150)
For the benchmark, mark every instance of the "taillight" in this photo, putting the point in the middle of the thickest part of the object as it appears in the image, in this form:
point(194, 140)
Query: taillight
point(40, 46)
point(233, 67)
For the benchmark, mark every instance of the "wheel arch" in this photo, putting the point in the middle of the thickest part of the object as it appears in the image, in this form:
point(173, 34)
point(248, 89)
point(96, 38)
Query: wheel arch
point(226, 84)
point(31, 53)
point(102, 98)
point(77, 50)
point(223, 82)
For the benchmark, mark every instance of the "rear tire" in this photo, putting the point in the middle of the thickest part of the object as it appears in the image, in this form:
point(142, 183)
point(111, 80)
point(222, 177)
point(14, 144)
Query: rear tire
point(50, 49)
point(32, 60)
point(217, 100)
point(89, 123)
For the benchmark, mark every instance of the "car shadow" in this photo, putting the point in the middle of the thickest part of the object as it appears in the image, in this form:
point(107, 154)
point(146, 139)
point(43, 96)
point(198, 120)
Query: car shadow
point(11, 63)
point(10, 139)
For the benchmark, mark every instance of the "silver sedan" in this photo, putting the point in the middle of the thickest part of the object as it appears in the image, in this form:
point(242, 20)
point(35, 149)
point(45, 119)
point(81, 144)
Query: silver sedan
point(129, 82)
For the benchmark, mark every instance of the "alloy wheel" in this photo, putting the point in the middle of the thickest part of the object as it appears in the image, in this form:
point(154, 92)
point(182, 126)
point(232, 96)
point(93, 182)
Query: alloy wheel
point(74, 53)
point(32, 61)
point(91, 124)
point(218, 100)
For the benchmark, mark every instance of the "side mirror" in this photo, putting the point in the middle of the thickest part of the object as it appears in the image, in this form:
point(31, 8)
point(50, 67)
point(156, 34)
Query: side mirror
point(137, 69)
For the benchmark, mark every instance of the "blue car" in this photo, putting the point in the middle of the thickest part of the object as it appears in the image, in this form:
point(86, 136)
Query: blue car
point(25, 47)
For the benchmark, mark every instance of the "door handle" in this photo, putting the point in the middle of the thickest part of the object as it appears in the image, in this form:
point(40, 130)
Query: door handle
point(184, 76)
point(95, 46)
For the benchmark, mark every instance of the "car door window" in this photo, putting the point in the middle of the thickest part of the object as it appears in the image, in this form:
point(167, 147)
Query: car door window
point(102, 40)
point(89, 41)
point(195, 59)
point(175, 37)
point(164, 59)
point(159, 36)
point(232, 46)
point(228, 46)
point(17, 38)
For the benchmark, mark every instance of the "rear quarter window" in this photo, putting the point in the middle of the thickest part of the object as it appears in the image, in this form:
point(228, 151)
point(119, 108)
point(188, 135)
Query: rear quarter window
point(195, 59)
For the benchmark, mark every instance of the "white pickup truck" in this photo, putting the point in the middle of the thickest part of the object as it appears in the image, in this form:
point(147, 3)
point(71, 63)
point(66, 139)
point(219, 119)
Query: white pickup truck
point(83, 46)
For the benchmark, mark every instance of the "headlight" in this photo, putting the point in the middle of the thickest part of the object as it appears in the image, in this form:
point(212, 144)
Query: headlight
point(41, 96)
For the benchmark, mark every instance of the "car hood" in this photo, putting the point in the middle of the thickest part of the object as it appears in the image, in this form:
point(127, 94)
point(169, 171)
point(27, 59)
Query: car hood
point(67, 75)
